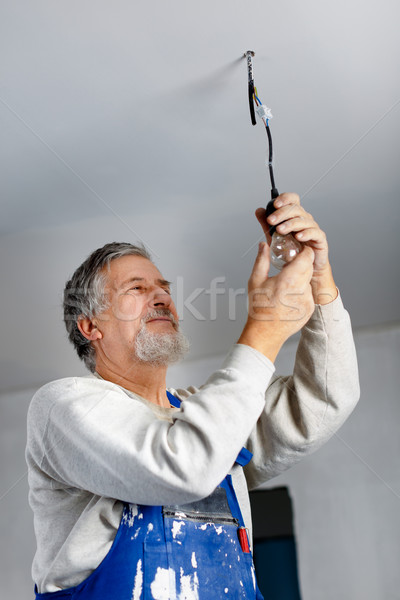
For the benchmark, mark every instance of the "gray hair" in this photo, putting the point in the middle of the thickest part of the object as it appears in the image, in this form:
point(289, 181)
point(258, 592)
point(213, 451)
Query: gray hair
point(84, 294)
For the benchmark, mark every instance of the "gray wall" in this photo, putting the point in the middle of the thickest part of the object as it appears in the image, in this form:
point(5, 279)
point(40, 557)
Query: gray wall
point(346, 496)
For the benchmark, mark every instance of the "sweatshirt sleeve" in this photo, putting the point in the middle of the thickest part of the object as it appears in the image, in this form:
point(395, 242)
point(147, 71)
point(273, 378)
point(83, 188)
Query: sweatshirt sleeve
point(302, 411)
point(90, 434)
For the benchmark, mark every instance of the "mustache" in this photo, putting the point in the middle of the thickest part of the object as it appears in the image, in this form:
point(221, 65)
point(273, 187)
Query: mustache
point(161, 312)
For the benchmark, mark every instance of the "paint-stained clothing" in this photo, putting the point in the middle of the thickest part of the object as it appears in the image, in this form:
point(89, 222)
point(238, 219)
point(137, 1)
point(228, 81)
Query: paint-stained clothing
point(93, 446)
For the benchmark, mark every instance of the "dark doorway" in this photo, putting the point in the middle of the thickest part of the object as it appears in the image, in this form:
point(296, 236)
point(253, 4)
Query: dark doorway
point(275, 556)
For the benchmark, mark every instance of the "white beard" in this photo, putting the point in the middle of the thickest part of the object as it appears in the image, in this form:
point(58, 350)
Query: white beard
point(160, 349)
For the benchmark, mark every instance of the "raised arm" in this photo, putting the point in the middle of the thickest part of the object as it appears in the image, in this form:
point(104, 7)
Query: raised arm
point(303, 410)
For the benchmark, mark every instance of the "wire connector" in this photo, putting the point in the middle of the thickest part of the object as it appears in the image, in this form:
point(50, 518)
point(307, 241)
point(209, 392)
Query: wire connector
point(264, 112)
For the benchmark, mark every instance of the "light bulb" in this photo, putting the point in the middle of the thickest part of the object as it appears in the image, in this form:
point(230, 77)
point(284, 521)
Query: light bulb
point(284, 248)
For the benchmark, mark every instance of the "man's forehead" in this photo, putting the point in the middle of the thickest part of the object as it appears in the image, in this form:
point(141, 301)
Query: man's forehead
point(129, 268)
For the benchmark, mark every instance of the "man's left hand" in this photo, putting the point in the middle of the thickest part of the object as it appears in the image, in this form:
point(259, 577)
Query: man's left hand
point(290, 217)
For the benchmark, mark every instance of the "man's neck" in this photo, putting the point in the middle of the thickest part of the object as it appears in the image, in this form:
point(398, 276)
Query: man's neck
point(144, 379)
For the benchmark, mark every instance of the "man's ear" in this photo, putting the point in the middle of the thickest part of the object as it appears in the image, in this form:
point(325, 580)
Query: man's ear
point(89, 329)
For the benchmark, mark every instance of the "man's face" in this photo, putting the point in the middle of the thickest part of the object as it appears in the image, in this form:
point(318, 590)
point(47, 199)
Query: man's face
point(139, 297)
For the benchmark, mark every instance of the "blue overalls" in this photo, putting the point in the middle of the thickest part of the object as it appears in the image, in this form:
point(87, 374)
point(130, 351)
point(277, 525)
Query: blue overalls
point(196, 551)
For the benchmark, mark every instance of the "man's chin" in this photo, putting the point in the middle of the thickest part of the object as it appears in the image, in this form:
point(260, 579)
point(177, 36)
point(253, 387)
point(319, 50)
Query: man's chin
point(160, 348)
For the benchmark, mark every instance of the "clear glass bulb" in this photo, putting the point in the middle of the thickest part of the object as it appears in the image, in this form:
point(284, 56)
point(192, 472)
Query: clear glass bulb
point(284, 248)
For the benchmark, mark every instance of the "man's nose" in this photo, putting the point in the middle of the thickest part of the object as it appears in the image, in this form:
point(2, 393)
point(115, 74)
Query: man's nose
point(160, 298)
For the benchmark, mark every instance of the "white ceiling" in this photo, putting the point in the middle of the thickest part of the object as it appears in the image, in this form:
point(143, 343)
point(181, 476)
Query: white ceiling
point(129, 120)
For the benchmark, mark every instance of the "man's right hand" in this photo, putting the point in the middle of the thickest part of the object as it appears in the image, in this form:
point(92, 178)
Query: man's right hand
point(279, 306)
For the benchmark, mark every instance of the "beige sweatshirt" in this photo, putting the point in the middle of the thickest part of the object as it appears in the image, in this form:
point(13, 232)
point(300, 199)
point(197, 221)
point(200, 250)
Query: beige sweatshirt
point(93, 445)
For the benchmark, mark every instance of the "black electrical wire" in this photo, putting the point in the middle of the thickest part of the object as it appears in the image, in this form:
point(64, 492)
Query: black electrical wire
point(253, 99)
point(270, 157)
point(274, 191)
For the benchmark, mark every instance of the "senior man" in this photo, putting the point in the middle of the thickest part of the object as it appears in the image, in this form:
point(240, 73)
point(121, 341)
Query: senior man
point(139, 492)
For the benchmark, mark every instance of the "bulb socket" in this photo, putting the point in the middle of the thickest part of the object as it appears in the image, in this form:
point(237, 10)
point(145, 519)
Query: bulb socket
point(270, 209)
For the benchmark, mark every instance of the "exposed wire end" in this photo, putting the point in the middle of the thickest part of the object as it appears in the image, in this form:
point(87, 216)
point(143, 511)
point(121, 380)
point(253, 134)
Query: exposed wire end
point(264, 112)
